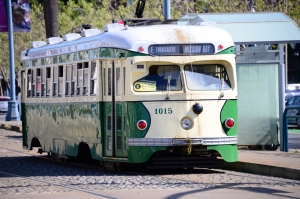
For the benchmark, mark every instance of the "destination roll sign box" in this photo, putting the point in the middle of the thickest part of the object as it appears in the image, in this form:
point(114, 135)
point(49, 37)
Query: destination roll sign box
point(182, 49)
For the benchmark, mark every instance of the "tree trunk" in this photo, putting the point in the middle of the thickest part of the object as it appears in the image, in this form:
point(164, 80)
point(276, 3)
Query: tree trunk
point(51, 17)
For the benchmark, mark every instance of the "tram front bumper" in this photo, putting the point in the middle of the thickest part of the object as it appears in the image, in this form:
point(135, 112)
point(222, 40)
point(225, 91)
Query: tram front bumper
point(181, 141)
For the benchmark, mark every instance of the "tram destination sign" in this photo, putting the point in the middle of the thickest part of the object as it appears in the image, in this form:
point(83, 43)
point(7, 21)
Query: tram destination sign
point(181, 49)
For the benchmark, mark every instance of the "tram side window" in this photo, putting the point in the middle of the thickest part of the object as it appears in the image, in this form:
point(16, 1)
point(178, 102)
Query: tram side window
point(118, 81)
point(55, 82)
point(74, 80)
point(160, 78)
point(68, 80)
point(104, 81)
point(60, 81)
point(43, 82)
point(48, 81)
point(93, 84)
point(85, 90)
point(33, 83)
point(38, 82)
point(79, 79)
point(29, 81)
point(124, 80)
point(207, 77)
point(109, 81)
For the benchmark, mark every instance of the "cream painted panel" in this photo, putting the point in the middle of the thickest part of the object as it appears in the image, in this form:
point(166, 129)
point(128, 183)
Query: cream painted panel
point(207, 124)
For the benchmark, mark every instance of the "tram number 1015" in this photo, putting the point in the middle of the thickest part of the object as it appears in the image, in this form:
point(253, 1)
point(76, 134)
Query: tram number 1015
point(163, 111)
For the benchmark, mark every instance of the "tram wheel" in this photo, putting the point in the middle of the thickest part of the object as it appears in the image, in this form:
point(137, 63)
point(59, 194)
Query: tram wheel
point(101, 165)
point(64, 160)
point(54, 156)
point(118, 166)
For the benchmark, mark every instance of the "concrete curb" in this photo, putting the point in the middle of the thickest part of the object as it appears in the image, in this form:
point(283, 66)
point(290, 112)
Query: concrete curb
point(266, 170)
point(17, 128)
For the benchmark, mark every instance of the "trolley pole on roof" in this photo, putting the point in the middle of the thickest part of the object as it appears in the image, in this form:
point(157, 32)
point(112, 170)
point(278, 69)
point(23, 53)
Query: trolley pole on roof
point(167, 9)
point(12, 112)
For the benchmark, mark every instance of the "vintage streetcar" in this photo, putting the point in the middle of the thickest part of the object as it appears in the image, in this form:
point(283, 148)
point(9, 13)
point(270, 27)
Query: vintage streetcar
point(156, 93)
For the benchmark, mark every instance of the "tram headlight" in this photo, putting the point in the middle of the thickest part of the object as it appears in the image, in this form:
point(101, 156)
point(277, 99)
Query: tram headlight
point(141, 124)
point(186, 123)
point(229, 123)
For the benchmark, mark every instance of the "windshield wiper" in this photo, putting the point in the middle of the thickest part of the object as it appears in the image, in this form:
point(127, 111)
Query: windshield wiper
point(222, 92)
point(168, 87)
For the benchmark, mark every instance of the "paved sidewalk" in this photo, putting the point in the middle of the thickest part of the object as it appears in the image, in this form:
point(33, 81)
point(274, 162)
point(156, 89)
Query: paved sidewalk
point(270, 163)
point(262, 162)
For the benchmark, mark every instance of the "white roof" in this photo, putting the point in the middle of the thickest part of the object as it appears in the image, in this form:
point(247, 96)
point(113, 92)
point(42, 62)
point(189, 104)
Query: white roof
point(131, 38)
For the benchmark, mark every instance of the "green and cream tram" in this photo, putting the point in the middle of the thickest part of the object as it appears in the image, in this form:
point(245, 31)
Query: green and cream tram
point(162, 94)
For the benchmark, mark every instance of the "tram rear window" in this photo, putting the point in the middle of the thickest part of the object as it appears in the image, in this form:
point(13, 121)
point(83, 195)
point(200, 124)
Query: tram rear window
point(206, 77)
point(160, 78)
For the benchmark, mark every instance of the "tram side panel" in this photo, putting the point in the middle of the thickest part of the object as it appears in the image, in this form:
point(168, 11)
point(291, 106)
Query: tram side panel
point(60, 128)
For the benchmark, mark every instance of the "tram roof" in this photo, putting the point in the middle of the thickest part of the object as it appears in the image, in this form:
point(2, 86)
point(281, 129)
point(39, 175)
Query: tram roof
point(251, 27)
point(133, 37)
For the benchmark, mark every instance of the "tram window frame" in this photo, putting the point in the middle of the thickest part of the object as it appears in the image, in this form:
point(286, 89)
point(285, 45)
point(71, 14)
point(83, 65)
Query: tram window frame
point(119, 143)
point(79, 79)
point(55, 81)
point(109, 142)
point(74, 80)
point(118, 80)
point(93, 82)
point(60, 81)
point(29, 81)
point(43, 82)
point(104, 81)
point(48, 81)
point(157, 79)
point(109, 81)
point(38, 82)
point(33, 83)
point(69, 68)
point(207, 74)
point(124, 80)
point(85, 79)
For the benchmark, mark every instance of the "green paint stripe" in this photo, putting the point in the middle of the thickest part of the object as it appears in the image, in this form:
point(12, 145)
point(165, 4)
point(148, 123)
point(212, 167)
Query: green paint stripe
point(229, 50)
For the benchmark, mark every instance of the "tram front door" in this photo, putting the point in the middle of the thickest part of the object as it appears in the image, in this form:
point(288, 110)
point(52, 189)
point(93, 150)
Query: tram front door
point(114, 109)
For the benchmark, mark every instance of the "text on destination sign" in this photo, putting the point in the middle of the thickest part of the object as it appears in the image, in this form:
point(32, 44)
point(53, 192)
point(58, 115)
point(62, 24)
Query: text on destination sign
point(181, 49)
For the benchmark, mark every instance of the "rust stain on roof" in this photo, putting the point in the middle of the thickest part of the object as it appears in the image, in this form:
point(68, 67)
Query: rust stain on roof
point(180, 36)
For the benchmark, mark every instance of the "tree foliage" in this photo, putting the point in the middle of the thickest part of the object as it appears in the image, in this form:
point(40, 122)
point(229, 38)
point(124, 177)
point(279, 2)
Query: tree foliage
point(74, 13)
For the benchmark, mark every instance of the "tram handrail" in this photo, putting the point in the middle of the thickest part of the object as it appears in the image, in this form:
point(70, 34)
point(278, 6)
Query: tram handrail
point(285, 125)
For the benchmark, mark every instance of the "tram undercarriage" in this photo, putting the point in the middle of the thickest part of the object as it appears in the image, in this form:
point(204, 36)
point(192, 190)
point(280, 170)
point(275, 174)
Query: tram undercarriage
point(185, 157)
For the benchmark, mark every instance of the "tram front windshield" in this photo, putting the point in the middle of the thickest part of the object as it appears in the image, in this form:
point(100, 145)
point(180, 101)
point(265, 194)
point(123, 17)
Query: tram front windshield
point(160, 78)
point(206, 77)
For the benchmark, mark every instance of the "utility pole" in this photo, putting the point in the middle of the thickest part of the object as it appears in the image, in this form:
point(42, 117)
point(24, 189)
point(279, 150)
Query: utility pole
point(12, 112)
point(167, 9)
